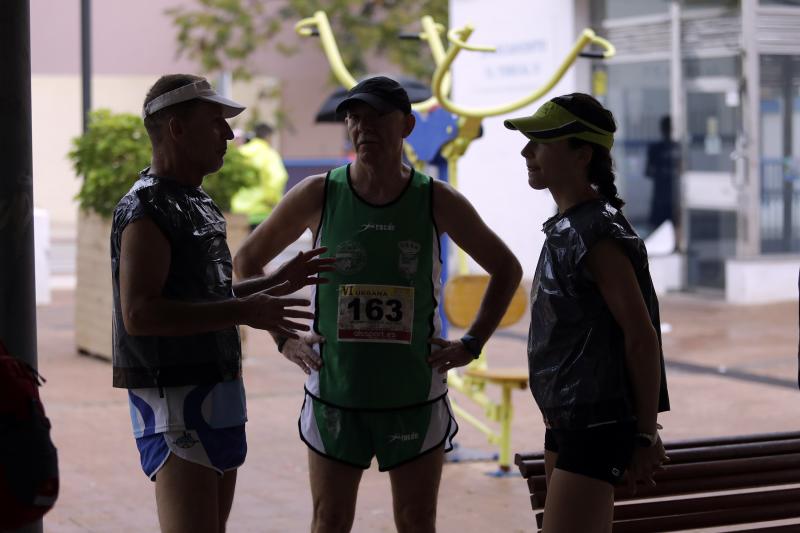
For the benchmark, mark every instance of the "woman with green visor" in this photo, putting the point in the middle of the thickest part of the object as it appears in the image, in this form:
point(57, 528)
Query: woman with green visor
point(594, 347)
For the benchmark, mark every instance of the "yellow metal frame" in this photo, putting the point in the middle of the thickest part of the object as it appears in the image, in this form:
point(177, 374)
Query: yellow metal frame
point(469, 123)
point(462, 298)
point(458, 42)
point(473, 387)
point(431, 32)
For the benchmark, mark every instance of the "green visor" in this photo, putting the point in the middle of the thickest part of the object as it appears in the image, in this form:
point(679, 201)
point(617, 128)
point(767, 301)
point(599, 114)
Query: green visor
point(551, 123)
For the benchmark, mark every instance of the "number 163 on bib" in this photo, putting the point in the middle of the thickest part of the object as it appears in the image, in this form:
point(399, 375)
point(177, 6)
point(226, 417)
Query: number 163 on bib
point(375, 313)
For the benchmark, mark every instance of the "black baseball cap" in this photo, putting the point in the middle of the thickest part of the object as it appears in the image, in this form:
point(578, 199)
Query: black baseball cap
point(381, 93)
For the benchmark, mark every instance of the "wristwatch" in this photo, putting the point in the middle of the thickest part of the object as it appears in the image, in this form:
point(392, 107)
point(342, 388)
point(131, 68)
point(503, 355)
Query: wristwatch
point(646, 440)
point(472, 345)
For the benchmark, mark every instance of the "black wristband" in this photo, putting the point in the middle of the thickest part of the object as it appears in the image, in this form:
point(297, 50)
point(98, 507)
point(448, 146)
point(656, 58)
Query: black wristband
point(472, 345)
point(281, 341)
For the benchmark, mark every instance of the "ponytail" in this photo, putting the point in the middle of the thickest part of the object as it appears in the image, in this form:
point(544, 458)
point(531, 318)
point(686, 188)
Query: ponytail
point(601, 175)
point(600, 172)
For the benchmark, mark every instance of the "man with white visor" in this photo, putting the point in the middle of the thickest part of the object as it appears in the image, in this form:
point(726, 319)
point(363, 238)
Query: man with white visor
point(177, 309)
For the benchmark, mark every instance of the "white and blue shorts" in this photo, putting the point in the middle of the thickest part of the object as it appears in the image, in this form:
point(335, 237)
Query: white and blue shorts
point(203, 424)
point(219, 449)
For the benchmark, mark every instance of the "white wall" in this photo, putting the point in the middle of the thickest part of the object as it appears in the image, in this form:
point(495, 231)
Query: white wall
point(532, 37)
point(761, 280)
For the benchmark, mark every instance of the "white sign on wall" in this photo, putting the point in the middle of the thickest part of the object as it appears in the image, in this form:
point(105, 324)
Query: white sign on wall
point(532, 38)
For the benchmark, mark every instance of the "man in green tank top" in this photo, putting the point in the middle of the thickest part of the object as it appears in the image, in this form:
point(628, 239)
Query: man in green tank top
point(376, 362)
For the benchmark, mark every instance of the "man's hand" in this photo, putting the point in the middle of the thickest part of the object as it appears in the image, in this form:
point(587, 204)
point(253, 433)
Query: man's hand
point(300, 351)
point(452, 354)
point(264, 310)
point(644, 463)
point(303, 269)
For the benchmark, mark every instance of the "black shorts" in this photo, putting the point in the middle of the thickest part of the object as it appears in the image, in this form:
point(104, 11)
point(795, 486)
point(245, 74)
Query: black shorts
point(601, 452)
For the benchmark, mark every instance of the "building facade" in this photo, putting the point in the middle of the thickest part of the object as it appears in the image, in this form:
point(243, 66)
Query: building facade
point(727, 74)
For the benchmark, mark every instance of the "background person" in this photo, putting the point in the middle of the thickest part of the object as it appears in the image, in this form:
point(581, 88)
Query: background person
point(258, 201)
point(663, 167)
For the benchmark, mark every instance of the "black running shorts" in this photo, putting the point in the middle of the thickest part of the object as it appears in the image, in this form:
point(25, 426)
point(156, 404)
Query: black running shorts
point(601, 452)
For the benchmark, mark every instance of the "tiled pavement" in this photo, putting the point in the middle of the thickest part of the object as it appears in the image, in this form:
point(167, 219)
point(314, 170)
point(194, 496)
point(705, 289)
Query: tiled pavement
point(731, 370)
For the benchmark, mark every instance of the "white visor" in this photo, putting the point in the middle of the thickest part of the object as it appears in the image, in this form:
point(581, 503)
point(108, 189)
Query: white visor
point(199, 90)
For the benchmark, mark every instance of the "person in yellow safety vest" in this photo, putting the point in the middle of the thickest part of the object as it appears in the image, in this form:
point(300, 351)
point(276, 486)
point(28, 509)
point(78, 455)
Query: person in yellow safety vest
point(257, 202)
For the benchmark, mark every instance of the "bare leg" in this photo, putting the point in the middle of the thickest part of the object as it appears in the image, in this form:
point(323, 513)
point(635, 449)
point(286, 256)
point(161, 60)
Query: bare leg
point(187, 497)
point(334, 489)
point(227, 486)
point(550, 459)
point(564, 490)
point(415, 491)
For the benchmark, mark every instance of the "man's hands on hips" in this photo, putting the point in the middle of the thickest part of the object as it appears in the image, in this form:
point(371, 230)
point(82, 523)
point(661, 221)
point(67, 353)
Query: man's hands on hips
point(301, 352)
point(451, 355)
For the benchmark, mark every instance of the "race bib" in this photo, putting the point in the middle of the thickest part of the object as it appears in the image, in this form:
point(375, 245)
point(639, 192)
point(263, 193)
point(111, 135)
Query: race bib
point(375, 313)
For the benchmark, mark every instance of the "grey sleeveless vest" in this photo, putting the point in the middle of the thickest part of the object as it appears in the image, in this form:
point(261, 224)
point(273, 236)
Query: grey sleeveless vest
point(200, 271)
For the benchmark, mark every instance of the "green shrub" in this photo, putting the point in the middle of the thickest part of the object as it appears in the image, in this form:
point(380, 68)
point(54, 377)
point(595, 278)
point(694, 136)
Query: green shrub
point(109, 157)
point(115, 148)
point(237, 172)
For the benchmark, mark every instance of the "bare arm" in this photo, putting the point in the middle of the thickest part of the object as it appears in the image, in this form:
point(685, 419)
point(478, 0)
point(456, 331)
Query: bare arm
point(299, 210)
point(303, 269)
point(455, 216)
point(614, 275)
point(144, 265)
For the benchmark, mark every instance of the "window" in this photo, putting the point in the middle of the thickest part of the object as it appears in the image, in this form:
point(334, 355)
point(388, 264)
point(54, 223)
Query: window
point(612, 9)
point(712, 112)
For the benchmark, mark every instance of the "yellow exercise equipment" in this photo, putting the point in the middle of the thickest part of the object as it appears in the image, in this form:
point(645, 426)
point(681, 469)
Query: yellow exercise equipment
point(462, 299)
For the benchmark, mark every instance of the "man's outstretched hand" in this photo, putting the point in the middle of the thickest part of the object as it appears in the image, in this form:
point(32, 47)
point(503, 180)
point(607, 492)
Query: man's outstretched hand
point(302, 270)
point(265, 310)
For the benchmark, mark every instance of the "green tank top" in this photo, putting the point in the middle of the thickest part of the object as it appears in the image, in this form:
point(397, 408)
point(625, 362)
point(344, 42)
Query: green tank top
point(379, 309)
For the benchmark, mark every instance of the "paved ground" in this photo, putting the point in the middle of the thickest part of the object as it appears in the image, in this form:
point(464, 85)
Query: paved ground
point(731, 370)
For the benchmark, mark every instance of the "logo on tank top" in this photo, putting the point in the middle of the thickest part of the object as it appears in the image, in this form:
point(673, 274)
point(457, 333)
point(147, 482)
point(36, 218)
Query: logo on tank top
point(377, 227)
point(350, 257)
point(409, 258)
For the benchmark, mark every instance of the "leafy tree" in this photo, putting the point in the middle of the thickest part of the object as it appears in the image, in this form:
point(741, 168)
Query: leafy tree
point(222, 34)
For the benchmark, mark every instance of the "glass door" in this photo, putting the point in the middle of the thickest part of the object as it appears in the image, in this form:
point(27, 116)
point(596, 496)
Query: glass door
point(711, 176)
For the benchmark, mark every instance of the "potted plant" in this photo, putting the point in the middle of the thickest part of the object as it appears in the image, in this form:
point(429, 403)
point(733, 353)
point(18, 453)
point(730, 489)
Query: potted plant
point(109, 157)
